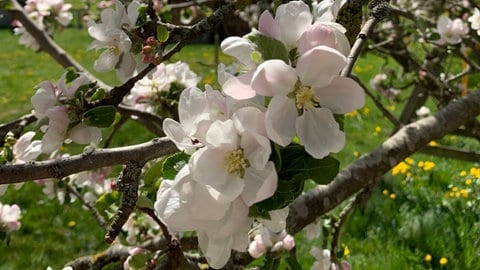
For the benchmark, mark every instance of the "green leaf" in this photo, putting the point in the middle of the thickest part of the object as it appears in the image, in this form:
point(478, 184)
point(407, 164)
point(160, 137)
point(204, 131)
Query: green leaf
point(138, 261)
point(144, 202)
point(433, 36)
point(173, 164)
point(98, 95)
point(298, 163)
point(162, 33)
point(107, 199)
point(102, 116)
point(153, 173)
point(71, 75)
point(268, 47)
point(142, 15)
point(293, 263)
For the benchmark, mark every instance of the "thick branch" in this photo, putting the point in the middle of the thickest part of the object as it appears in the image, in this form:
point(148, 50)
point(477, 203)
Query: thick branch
point(369, 168)
point(98, 158)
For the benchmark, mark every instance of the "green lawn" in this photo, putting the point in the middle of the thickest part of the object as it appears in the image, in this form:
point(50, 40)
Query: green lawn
point(392, 232)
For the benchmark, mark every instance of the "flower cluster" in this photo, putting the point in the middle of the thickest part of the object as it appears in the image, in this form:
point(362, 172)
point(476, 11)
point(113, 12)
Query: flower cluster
point(9, 216)
point(161, 87)
point(288, 85)
point(451, 31)
point(48, 15)
point(323, 260)
point(56, 107)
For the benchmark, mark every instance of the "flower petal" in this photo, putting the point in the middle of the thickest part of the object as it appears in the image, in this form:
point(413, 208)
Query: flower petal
point(342, 95)
point(239, 48)
point(280, 120)
point(267, 25)
point(249, 119)
point(239, 87)
point(274, 77)
point(318, 66)
point(259, 184)
point(292, 20)
point(319, 132)
point(106, 61)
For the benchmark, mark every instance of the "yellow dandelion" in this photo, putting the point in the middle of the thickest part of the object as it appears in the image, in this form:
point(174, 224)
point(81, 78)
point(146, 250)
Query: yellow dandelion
point(463, 173)
point(393, 196)
point(391, 107)
point(451, 194)
point(358, 69)
point(468, 182)
point(71, 223)
point(366, 110)
point(420, 164)
point(356, 153)
point(475, 172)
point(408, 174)
point(346, 251)
point(443, 261)
point(401, 167)
point(352, 114)
point(385, 192)
point(378, 129)
point(433, 143)
point(409, 161)
point(454, 189)
point(464, 193)
point(428, 258)
point(428, 165)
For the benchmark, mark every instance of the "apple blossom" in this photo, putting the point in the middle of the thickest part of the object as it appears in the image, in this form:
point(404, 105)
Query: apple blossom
point(265, 240)
point(305, 98)
point(323, 261)
point(451, 31)
point(9, 216)
point(327, 10)
point(186, 205)
point(146, 92)
point(197, 110)
point(475, 20)
point(234, 161)
point(110, 35)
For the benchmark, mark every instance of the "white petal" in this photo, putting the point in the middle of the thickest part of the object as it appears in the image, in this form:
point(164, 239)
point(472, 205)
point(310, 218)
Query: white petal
point(318, 66)
point(319, 132)
point(205, 207)
point(280, 120)
point(292, 20)
point(259, 184)
point(239, 48)
point(223, 134)
point(274, 77)
point(175, 132)
point(191, 105)
point(83, 134)
point(342, 95)
point(216, 249)
point(256, 149)
point(106, 61)
point(126, 67)
point(250, 118)
point(22, 143)
point(57, 127)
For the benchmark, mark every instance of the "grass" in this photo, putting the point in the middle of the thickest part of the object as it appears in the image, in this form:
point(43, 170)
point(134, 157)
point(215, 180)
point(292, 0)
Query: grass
point(388, 234)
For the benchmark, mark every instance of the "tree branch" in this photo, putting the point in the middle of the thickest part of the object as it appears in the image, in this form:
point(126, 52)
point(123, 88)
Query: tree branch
point(369, 168)
point(49, 46)
point(98, 158)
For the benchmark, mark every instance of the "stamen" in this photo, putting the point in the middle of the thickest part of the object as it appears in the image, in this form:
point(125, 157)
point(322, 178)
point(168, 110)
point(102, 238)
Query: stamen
point(236, 162)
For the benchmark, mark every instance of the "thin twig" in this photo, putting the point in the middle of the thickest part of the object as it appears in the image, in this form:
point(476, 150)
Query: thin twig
point(98, 217)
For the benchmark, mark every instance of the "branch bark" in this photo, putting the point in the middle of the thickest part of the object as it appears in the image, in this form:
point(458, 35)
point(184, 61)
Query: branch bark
point(97, 158)
point(369, 168)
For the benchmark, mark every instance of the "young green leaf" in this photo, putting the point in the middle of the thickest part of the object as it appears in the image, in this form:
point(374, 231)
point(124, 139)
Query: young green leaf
point(101, 117)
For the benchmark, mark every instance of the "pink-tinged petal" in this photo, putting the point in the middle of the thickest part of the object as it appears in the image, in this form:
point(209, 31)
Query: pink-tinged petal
point(280, 120)
point(239, 48)
point(240, 240)
point(57, 127)
point(235, 220)
point(216, 249)
point(267, 25)
point(44, 98)
point(23, 142)
point(319, 132)
point(83, 134)
point(317, 34)
point(292, 20)
point(256, 149)
point(250, 119)
point(274, 77)
point(318, 66)
point(239, 87)
point(106, 61)
point(342, 95)
point(223, 134)
point(259, 184)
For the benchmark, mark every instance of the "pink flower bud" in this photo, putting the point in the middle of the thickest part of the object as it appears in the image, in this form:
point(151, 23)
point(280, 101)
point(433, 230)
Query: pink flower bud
point(288, 242)
point(151, 41)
